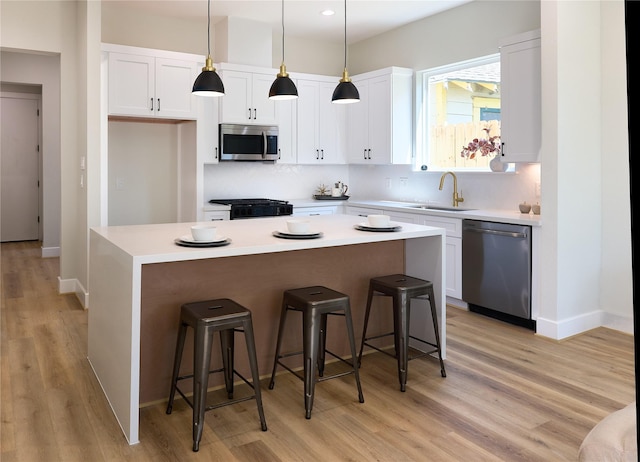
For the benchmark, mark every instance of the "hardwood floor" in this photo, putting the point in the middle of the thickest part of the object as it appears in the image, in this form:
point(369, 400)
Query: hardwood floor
point(509, 395)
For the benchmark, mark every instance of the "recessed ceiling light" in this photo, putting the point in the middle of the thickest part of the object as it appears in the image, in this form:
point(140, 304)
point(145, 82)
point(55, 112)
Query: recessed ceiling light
point(328, 13)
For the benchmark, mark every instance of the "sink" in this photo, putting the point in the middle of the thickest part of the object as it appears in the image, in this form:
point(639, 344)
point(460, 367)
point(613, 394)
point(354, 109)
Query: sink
point(440, 207)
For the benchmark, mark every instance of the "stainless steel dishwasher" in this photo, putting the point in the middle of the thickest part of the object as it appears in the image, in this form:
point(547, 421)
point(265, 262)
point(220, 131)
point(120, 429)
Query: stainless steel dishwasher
point(496, 270)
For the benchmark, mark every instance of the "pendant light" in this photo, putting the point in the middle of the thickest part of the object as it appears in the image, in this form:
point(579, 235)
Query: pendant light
point(346, 92)
point(283, 87)
point(208, 83)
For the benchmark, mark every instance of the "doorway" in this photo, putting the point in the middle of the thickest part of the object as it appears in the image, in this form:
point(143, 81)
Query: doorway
point(20, 167)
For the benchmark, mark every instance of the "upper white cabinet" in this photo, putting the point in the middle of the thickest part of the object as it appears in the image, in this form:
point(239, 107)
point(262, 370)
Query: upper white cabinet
point(520, 81)
point(321, 124)
point(246, 96)
point(286, 112)
point(151, 83)
point(380, 125)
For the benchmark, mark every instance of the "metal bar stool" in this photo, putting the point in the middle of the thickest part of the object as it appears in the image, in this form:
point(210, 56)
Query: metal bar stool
point(402, 289)
point(206, 318)
point(315, 303)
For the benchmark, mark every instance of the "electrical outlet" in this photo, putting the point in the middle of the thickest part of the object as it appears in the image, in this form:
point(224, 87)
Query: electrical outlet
point(404, 182)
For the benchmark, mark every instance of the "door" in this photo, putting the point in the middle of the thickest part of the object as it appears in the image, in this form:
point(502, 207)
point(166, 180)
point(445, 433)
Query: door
point(19, 166)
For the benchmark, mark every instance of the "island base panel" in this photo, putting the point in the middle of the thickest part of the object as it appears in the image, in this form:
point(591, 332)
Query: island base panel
point(256, 282)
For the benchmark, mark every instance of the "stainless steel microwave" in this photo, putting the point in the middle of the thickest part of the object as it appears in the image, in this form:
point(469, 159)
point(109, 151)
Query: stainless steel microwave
point(248, 142)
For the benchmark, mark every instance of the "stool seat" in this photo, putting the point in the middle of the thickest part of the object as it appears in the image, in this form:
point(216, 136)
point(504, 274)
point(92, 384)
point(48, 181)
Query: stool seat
point(402, 288)
point(207, 317)
point(315, 303)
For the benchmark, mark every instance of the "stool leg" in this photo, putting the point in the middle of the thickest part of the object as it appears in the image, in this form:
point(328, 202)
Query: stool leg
point(436, 330)
point(182, 333)
point(311, 340)
point(352, 344)
point(283, 318)
point(227, 344)
point(366, 323)
point(322, 345)
point(201, 359)
point(253, 363)
point(401, 324)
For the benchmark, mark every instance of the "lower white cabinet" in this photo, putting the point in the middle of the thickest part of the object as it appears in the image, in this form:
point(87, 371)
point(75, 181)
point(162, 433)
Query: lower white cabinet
point(453, 252)
point(216, 215)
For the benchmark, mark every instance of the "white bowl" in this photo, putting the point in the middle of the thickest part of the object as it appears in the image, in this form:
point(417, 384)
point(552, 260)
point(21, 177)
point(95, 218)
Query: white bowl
point(298, 226)
point(379, 221)
point(203, 232)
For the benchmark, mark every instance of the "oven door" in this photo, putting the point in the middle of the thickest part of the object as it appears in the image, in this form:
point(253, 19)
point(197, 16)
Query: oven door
point(248, 142)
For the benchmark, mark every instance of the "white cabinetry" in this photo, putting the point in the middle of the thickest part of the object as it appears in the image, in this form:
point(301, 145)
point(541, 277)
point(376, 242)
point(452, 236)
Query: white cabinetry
point(151, 83)
point(453, 252)
point(379, 126)
point(286, 111)
point(321, 124)
point(216, 215)
point(246, 98)
point(520, 82)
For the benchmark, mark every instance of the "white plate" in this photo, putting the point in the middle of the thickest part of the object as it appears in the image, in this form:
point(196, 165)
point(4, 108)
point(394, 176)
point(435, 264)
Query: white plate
point(289, 233)
point(191, 240)
point(367, 225)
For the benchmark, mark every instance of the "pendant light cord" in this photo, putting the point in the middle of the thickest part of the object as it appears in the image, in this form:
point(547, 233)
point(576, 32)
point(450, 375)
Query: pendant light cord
point(282, 17)
point(345, 34)
point(209, 28)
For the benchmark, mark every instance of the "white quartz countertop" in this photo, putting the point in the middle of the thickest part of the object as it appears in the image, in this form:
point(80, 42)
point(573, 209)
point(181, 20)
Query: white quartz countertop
point(501, 216)
point(156, 243)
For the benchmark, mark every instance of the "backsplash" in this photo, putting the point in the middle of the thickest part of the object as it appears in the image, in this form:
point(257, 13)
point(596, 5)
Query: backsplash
point(392, 182)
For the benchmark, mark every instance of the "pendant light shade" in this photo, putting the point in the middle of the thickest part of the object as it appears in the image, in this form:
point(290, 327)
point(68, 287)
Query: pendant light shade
point(346, 92)
point(283, 87)
point(208, 83)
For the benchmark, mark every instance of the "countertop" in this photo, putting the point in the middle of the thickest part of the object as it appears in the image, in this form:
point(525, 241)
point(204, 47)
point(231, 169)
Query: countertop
point(496, 215)
point(155, 243)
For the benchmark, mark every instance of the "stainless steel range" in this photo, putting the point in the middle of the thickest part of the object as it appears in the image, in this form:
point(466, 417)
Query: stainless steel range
point(254, 208)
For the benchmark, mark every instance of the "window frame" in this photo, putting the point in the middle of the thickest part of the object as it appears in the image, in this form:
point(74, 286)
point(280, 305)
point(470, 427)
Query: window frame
point(422, 115)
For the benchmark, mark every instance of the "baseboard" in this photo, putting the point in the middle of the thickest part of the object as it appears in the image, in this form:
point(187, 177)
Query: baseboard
point(50, 252)
point(73, 286)
point(559, 330)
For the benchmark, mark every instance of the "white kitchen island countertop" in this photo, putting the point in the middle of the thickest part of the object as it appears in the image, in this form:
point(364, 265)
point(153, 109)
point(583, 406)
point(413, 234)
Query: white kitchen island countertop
point(138, 278)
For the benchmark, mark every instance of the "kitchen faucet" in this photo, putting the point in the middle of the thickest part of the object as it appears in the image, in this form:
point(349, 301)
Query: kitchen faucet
point(456, 198)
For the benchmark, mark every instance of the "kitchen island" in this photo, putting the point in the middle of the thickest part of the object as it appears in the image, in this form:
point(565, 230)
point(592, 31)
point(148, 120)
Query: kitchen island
point(139, 278)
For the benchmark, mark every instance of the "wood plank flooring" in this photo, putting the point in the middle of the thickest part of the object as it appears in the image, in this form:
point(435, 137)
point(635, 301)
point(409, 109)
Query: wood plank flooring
point(509, 395)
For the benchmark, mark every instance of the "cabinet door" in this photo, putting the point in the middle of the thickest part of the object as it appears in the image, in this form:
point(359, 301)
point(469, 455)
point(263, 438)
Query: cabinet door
point(131, 85)
point(264, 109)
point(358, 123)
point(308, 114)
point(521, 101)
point(174, 82)
point(286, 113)
point(330, 126)
point(236, 105)
point(379, 120)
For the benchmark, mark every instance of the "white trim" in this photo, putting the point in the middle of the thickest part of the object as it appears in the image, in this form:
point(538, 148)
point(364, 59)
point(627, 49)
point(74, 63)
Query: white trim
point(49, 252)
point(73, 286)
point(559, 330)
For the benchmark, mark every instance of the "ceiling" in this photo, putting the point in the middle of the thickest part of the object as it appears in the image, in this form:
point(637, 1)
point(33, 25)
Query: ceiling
point(303, 18)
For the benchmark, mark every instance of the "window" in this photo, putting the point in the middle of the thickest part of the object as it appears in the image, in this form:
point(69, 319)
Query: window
point(457, 103)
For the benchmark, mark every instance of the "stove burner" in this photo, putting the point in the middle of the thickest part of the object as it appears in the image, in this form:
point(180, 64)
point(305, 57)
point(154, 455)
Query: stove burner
point(252, 208)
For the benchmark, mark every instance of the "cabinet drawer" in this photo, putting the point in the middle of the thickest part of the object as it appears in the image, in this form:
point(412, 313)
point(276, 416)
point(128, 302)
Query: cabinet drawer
point(362, 211)
point(452, 225)
point(312, 211)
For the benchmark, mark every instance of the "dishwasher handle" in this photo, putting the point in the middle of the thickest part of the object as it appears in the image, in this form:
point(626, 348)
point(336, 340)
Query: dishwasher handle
point(497, 233)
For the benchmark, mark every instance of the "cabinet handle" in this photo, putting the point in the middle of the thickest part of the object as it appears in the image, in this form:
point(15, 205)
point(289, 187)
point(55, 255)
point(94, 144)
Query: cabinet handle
point(255, 113)
point(369, 151)
point(279, 154)
point(502, 150)
point(216, 153)
point(313, 214)
point(364, 153)
point(317, 154)
point(152, 104)
point(249, 113)
point(158, 104)
point(322, 154)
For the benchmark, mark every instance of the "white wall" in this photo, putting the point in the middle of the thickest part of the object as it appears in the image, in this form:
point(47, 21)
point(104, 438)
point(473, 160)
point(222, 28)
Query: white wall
point(143, 165)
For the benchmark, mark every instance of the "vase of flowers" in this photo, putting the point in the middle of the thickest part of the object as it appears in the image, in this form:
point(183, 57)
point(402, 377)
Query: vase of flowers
point(489, 146)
